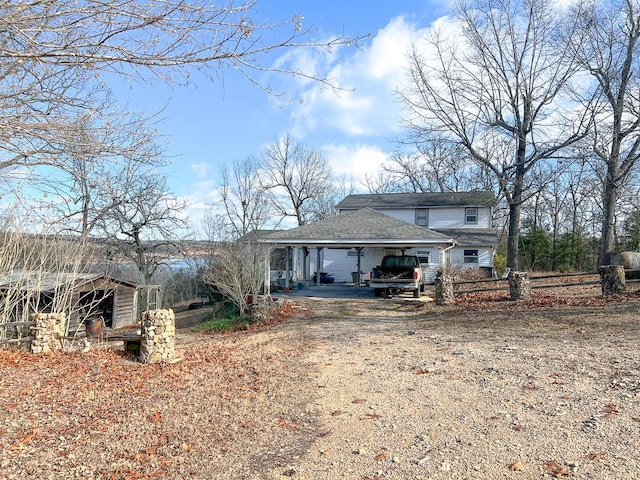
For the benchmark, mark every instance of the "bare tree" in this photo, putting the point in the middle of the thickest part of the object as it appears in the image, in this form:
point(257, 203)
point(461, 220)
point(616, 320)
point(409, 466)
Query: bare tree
point(56, 57)
point(235, 268)
point(495, 90)
point(145, 225)
point(437, 166)
point(295, 176)
point(610, 51)
point(97, 170)
point(244, 198)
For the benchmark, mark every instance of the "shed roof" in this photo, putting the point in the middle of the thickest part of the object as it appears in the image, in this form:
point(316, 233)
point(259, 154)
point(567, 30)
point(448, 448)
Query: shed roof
point(48, 281)
point(479, 198)
point(363, 227)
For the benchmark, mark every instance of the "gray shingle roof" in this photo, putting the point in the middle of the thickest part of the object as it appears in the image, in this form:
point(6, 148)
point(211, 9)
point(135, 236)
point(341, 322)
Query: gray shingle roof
point(472, 237)
point(360, 227)
point(27, 280)
point(416, 200)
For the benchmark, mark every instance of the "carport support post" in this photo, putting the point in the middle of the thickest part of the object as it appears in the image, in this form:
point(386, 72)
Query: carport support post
point(305, 266)
point(287, 269)
point(359, 250)
point(318, 267)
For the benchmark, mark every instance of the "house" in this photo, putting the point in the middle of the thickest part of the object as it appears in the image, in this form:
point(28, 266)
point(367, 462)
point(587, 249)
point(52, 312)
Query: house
point(79, 295)
point(453, 229)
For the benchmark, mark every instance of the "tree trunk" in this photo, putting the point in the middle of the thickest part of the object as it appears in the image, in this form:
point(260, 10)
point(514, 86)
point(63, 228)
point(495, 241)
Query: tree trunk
point(515, 207)
point(609, 200)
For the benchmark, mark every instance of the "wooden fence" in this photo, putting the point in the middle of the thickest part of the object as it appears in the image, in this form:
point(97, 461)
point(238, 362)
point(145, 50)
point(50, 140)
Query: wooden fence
point(12, 332)
point(543, 279)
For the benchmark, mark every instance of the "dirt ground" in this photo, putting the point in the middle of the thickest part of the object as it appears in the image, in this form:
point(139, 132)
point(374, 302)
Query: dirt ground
point(349, 388)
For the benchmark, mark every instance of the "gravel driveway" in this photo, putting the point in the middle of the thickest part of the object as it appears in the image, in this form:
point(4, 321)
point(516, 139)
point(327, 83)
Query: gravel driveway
point(401, 390)
point(358, 388)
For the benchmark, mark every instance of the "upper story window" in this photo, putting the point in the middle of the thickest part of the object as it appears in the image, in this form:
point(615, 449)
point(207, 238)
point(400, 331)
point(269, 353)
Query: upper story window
point(422, 217)
point(471, 215)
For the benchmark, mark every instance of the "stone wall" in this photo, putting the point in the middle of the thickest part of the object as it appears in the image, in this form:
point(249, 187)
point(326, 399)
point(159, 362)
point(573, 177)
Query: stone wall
point(158, 336)
point(46, 332)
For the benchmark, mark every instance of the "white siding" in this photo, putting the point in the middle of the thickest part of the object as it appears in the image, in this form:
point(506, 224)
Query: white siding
point(339, 264)
point(441, 217)
point(455, 217)
point(485, 257)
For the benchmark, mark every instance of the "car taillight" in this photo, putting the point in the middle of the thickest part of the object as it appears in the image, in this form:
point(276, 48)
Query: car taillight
point(415, 275)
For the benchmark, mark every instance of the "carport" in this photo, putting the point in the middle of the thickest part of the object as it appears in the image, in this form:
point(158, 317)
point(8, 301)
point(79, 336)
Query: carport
point(356, 230)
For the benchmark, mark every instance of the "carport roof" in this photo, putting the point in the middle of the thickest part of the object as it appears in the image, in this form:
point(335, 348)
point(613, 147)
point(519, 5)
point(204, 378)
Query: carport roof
point(364, 227)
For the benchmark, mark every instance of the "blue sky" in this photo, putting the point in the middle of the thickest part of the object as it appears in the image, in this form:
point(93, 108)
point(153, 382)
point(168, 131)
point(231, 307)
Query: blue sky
point(209, 123)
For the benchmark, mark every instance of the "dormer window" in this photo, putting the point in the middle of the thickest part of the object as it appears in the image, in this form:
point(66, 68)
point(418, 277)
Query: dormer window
point(471, 216)
point(422, 217)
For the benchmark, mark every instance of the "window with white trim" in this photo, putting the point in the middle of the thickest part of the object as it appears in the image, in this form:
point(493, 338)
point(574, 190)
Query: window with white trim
point(424, 256)
point(471, 215)
point(471, 256)
point(422, 217)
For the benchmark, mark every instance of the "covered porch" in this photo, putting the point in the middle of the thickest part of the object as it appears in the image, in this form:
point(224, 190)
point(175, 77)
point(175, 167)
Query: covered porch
point(352, 243)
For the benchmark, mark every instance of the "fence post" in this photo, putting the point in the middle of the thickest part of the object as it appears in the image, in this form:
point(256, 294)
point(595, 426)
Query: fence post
point(444, 288)
point(158, 336)
point(612, 279)
point(519, 286)
point(46, 331)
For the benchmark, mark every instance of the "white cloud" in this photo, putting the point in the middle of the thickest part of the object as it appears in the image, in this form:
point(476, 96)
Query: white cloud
point(200, 170)
point(366, 105)
point(354, 161)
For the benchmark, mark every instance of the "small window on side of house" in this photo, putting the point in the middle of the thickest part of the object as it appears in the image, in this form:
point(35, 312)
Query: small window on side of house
point(422, 217)
point(471, 215)
point(471, 256)
point(424, 256)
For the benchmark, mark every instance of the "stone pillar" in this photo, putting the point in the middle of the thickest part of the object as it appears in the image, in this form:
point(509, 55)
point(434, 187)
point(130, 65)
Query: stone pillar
point(612, 279)
point(444, 288)
point(46, 332)
point(158, 336)
point(519, 286)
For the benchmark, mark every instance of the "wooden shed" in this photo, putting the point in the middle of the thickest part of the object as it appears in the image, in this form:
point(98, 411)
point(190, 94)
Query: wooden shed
point(79, 295)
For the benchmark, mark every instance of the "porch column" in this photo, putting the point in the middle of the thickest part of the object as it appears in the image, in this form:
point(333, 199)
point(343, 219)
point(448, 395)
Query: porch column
point(305, 266)
point(359, 250)
point(267, 272)
point(287, 268)
point(318, 266)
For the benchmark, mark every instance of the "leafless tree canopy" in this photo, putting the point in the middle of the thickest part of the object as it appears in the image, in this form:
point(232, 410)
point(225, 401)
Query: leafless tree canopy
point(609, 51)
point(295, 176)
point(495, 90)
point(245, 200)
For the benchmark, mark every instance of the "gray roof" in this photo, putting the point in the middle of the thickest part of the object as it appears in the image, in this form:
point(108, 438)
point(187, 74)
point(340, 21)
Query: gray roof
point(472, 237)
point(417, 200)
point(254, 235)
point(26, 280)
point(361, 227)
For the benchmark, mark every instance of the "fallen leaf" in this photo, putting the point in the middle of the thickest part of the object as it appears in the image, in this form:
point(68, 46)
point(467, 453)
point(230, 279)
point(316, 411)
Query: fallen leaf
point(371, 416)
point(156, 417)
point(596, 456)
point(552, 467)
point(293, 426)
point(610, 410)
point(516, 466)
point(359, 400)
point(335, 413)
point(380, 457)
point(421, 371)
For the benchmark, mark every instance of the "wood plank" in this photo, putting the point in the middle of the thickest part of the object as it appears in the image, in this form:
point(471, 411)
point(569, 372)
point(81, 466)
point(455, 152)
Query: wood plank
point(16, 340)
